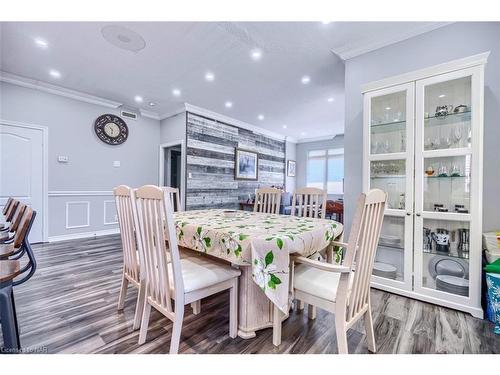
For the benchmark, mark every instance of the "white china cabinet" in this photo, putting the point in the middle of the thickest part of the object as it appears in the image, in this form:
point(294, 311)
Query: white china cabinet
point(423, 135)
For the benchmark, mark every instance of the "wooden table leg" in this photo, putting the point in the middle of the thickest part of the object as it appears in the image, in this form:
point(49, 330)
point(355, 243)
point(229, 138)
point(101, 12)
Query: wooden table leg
point(255, 310)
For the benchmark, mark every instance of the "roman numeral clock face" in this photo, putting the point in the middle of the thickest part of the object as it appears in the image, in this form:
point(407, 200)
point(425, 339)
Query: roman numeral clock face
point(111, 129)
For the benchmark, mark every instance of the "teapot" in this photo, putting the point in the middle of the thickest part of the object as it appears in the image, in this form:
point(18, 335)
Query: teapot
point(442, 241)
point(443, 110)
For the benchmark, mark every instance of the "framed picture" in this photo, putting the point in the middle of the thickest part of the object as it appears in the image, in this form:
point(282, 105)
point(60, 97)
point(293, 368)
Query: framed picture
point(246, 165)
point(290, 170)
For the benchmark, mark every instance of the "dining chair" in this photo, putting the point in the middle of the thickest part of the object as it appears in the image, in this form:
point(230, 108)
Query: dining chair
point(10, 270)
point(131, 262)
point(13, 247)
point(267, 200)
point(167, 275)
point(309, 202)
point(174, 197)
point(343, 289)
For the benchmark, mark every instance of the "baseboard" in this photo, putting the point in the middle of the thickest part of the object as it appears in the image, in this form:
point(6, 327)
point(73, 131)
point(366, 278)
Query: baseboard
point(75, 236)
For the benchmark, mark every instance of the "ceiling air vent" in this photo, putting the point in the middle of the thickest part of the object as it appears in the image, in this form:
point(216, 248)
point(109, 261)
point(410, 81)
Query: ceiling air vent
point(129, 115)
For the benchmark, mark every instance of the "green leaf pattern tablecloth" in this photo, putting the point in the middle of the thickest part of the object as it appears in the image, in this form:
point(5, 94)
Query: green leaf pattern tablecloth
point(264, 241)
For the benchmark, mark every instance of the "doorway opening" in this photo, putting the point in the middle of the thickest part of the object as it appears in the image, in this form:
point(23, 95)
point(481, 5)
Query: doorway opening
point(172, 167)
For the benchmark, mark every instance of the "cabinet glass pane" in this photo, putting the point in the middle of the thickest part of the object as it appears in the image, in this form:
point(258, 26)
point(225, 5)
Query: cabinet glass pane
point(390, 176)
point(388, 123)
point(446, 256)
point(447, 117)
point(447, 184)
point(389, 260)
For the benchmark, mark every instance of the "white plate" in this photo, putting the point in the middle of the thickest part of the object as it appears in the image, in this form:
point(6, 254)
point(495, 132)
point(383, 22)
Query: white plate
point(445, 265)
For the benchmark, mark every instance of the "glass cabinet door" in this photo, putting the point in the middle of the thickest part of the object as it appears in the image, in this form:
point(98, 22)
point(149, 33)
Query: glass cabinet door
point(389, 166)
point(445, 176)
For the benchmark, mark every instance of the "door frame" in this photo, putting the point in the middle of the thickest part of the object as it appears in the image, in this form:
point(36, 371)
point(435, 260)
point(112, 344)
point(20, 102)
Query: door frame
point(161, 164)
point(45, 170)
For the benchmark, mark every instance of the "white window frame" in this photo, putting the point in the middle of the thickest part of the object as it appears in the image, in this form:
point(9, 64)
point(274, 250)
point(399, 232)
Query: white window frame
point(327, 153)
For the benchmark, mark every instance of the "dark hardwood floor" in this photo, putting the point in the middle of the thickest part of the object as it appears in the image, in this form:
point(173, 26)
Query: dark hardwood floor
point(69, 306)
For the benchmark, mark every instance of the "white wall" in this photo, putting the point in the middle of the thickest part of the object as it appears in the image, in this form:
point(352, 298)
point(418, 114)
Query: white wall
point(445, 44)
point(173, 128)
point(90, 167)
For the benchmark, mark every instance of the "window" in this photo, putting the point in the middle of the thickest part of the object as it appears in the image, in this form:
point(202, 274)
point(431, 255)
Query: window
point(325, 170)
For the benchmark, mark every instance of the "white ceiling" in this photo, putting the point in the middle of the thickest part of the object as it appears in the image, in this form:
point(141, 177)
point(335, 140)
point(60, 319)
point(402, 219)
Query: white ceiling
point(177, 55)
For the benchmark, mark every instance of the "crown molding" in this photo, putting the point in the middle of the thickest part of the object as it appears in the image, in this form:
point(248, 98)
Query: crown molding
point(56, 90)
point(317, 139)
point(174, 112)
point(450, 66)
point(150, 114)
point(345, 53)
point(232, 121)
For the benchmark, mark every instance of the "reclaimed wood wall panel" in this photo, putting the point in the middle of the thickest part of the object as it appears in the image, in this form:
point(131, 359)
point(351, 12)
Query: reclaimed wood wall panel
point(210, 163)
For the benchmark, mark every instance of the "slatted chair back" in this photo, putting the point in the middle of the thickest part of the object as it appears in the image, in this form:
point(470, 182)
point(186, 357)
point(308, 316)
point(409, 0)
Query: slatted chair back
point(16, 218)
point(158, 246)
point(11, 211)
point(7, 206)
point(174, 196)
point(309, 202)
point(125, 214)
point(362, 245)
point(267, 200)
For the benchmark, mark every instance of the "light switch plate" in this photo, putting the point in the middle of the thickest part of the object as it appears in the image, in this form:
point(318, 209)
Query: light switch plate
point(116, 164)
point(62, 159)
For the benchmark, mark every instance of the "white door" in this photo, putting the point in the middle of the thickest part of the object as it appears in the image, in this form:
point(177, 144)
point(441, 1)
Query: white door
point(22, 170)
point(447, 187)
point(388, 165)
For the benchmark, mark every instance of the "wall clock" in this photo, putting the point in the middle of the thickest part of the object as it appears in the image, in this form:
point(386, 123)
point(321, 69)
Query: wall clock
point(111, 129)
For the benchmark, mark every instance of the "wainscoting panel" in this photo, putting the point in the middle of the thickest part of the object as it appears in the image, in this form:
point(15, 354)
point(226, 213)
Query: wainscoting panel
point(211, 146)
point(79, 214)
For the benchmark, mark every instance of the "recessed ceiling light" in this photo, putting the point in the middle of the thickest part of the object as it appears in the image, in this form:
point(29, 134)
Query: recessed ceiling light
point(330, 100)
point(387, 108)
point(228, 104)
point(176, 92)
point(209, 76)
point(326, 22)
point(138, 99)
point(152, 104)
point(302, 133)
point(305, 80)
point(55, 73)
point(284, 126)
point(41, 43)
point(442, 95)
point(256, 54)
point(260, 117)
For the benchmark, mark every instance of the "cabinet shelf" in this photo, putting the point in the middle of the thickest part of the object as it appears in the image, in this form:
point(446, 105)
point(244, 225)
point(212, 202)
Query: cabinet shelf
point(449, 119)
point(451, 254)
point(444, 177)
point(386, 127)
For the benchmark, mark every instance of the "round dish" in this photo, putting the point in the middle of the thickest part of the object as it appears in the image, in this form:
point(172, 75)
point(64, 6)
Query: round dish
point(444, 265)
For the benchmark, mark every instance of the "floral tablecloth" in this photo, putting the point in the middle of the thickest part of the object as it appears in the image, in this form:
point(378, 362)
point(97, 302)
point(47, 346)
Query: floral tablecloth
point(264, 241)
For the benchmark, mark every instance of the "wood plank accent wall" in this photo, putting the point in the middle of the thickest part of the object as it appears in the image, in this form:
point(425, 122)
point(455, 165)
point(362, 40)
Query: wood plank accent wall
point(210, 161)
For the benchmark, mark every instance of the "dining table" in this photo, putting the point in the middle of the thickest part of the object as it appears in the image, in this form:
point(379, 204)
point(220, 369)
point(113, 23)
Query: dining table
point(261, 246)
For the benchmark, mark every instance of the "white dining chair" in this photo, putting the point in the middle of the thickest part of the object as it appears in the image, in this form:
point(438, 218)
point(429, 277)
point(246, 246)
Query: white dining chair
point(174, 195)
point(131, 262)
point(309, 202)
point(343, 289)
point(167, 275)
point(267, 200)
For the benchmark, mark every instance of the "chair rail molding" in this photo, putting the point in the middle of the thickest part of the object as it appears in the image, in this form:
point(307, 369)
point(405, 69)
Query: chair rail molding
point(80, 193)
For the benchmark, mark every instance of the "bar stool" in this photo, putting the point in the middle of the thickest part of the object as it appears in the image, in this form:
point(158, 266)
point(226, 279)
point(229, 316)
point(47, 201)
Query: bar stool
point(9, 270)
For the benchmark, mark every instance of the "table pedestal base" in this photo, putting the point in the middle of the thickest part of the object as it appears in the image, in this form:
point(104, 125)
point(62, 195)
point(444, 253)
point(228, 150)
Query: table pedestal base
point(255, 310)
